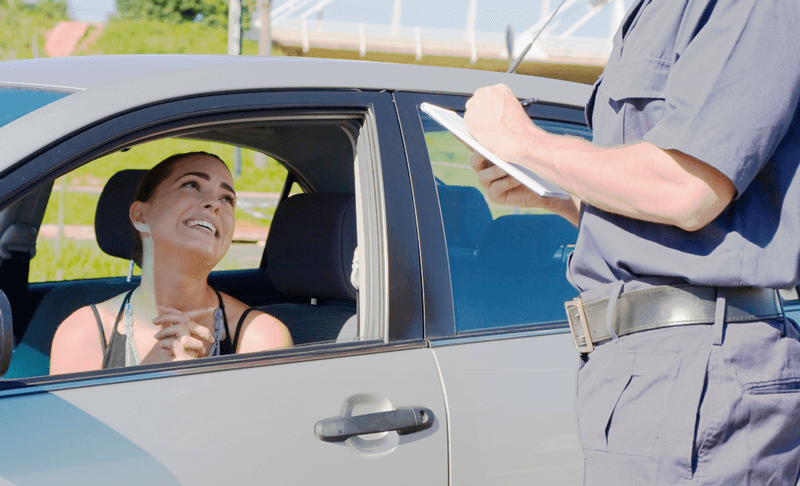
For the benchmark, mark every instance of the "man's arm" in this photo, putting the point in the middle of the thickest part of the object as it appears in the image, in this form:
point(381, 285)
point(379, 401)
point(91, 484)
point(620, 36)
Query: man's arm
point(639, 181)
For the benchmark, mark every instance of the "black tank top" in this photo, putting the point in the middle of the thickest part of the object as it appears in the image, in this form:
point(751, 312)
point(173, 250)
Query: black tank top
point(114, 351)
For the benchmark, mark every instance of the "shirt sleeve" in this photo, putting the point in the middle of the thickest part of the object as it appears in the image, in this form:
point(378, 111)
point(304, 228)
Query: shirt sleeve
point(734, 85)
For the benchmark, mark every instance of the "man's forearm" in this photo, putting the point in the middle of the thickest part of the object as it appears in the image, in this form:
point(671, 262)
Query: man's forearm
point(639, 181)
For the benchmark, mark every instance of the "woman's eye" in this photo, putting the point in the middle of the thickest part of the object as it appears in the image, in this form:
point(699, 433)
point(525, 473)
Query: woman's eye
point(229, 200)
point(192, 184)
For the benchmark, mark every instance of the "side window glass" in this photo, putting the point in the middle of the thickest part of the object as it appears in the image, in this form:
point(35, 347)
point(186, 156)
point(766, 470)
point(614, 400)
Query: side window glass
point(507, 264)
point(66, 248)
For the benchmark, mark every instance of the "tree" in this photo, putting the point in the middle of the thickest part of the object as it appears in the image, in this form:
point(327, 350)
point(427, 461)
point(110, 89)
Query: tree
point(213, 13)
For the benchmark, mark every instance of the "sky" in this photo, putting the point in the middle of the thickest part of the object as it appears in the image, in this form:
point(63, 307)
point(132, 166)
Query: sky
point(492, 15)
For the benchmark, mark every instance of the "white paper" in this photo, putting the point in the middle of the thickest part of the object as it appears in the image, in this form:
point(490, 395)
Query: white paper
point(453, 122)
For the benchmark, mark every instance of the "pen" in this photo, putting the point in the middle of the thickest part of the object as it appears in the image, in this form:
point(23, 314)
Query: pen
point(528, 102)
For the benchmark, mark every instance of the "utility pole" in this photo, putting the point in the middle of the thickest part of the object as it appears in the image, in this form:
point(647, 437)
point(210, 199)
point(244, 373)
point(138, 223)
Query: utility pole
point(234, 27)
point(264, 49)
point(265, 37)
point(235, 49)
point(398, 6)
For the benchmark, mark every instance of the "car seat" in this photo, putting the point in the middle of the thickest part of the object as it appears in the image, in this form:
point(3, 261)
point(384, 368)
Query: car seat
point(113, 231)
point(309, 253)
point(519, 276)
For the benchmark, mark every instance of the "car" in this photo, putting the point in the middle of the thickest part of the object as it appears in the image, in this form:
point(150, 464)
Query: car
point(431, 344)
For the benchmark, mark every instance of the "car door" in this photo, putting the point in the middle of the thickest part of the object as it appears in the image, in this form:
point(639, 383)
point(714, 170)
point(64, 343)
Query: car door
point(364, 412)
point(494, 290)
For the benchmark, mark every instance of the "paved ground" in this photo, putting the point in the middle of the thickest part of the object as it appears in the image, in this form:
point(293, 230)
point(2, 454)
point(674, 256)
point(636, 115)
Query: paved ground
point(63, 39)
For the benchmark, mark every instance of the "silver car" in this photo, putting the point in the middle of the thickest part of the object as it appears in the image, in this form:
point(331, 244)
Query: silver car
point(431, 345)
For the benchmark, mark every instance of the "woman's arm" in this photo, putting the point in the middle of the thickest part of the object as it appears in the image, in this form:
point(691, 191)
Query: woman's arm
point(76, 344)
point(262, 333)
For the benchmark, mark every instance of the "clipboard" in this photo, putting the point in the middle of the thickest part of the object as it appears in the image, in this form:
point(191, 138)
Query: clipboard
point(455, 124)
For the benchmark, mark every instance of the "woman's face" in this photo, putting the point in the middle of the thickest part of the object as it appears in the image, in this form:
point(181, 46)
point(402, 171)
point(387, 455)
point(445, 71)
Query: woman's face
point(192, 210)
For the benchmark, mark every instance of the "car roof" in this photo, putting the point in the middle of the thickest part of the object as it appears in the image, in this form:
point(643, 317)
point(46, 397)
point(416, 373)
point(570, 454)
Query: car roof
point(102, 86)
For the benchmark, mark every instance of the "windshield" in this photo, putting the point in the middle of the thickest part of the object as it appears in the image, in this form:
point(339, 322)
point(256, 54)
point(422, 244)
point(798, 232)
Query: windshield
point(18, 102)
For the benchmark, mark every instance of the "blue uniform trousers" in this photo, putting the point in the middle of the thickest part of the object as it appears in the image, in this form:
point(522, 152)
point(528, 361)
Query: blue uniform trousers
point(672, 407)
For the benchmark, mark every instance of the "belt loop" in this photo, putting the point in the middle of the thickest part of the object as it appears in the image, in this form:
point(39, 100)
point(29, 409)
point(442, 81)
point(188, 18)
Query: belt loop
point(611, 308)
point(718, 329)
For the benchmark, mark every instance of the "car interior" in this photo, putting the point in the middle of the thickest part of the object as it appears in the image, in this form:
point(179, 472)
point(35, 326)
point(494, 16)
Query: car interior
point(304, 275)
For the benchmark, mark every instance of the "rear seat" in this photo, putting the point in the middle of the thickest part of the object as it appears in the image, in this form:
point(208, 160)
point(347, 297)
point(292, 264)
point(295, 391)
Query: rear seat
point(519, 275)
point(113, 232)
point(309, 253)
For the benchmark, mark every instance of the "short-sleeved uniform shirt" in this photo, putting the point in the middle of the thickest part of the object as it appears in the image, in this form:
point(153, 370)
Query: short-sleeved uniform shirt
point(720, 81)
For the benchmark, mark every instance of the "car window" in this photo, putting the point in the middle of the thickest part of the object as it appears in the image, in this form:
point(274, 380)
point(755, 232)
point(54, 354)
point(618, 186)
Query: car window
point(301, 219)
point(17, 102)
point(66, 248)
point(507, 264)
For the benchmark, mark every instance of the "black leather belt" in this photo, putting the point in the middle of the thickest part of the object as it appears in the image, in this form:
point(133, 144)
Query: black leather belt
point(666, 306)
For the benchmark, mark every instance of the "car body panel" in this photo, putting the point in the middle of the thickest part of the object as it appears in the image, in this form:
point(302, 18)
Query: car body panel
point(230, 427)
point(143, 80)
point(511, 418)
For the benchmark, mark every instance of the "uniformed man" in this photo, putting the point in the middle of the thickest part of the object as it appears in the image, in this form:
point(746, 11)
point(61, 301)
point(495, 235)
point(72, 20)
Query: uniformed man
point(688, 203)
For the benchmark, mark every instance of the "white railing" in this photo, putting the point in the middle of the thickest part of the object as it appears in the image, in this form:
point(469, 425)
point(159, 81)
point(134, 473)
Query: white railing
point(421, 41)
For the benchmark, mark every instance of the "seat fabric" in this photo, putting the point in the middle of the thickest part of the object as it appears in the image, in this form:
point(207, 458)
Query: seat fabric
point(114, 234)
point(309, 253)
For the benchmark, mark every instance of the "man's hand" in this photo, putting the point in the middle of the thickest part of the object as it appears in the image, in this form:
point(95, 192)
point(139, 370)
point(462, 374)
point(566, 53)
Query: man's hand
point(496, 119)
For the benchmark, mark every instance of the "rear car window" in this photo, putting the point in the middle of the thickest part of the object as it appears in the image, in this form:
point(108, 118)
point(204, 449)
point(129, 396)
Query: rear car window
point(18, 102)
point(507, 264)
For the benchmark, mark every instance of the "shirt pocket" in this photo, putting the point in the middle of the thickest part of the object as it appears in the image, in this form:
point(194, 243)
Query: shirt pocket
point(622, 400)
point(635, 90)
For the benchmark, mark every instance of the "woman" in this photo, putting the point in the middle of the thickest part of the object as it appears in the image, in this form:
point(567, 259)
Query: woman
point(183, 214)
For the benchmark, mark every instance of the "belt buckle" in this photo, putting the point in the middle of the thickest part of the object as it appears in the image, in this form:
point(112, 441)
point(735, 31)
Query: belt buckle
point(575, 311)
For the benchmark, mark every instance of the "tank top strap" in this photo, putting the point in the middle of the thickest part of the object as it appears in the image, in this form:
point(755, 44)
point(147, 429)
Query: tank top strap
point(100, 328)
point(239, 324)
point(108, 350)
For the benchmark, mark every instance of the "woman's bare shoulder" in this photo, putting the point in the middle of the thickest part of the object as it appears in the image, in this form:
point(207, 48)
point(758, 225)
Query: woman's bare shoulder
point(84, 321)
point(259, 331)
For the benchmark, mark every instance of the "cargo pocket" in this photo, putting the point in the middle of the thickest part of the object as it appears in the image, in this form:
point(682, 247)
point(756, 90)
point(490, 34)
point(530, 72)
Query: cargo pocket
point(636, 89)
point(767, 363)
point(622, 397)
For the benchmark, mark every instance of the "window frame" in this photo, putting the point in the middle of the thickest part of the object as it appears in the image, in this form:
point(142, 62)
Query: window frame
point(386, 167)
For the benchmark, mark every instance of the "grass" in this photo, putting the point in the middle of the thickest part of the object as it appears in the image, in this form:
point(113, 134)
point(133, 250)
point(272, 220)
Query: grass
point(23, 28)
point(72, 259)
point(67, 259)
point(450, 161)
point(151, 37)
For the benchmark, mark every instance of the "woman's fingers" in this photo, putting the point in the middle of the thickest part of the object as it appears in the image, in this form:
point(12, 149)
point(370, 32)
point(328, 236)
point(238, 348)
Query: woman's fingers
point(191, 330)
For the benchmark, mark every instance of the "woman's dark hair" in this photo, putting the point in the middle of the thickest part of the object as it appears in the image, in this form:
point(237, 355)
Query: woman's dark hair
point(147, 188)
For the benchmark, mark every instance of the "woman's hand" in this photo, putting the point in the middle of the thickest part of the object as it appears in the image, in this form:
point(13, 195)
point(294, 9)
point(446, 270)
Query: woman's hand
point(183, 337)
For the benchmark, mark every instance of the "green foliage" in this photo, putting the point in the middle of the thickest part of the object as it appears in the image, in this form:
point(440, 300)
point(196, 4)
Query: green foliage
point(152, 37)
point(213, 13)
point(68, 259)
point(23, 27)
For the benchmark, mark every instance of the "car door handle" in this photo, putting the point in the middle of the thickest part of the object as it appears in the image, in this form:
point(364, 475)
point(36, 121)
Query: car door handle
point(404, 420)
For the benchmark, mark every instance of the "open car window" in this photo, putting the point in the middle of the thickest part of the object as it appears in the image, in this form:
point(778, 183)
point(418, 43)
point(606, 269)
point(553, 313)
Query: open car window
point(288, 202)
point(67, 249)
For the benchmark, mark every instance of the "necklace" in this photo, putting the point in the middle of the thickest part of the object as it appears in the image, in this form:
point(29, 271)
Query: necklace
point(132, 357)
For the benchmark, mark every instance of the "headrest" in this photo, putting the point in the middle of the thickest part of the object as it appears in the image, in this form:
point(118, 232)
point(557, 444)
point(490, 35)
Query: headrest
point(525, 241)
point(310, 246)
point(112, 225)
point(465, 214)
